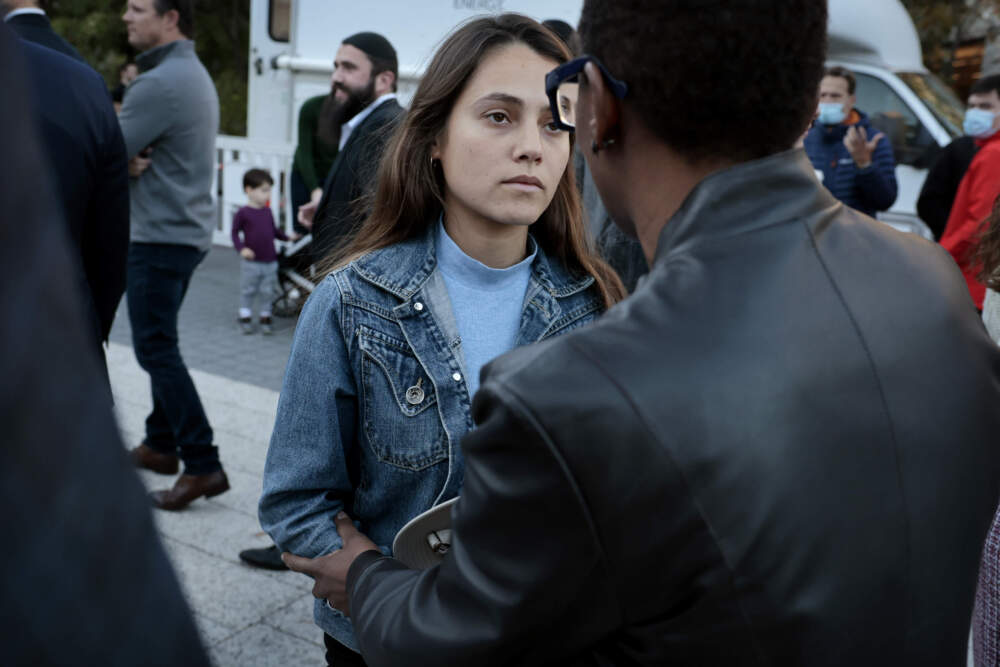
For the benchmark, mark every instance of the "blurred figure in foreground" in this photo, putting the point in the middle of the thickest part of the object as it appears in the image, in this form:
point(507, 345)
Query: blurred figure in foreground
point(86, 580)
point(28, 20)
point(86, 155)
point(748, 461)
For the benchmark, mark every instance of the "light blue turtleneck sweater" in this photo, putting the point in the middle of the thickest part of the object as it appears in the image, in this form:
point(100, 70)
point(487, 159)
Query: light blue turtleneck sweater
point(486, 303)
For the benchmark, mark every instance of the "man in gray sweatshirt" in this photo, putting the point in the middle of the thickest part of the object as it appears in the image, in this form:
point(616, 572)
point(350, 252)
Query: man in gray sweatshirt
point(169, 118)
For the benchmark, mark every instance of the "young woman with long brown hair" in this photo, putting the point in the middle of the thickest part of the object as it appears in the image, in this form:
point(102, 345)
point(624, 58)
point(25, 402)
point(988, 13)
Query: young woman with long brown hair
point(475, 245)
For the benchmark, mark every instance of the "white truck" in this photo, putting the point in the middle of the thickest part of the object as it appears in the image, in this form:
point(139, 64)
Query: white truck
point(292, 44)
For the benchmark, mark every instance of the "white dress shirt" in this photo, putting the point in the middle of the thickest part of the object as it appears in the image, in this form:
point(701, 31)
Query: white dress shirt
point(23, 10)
point(348, 127)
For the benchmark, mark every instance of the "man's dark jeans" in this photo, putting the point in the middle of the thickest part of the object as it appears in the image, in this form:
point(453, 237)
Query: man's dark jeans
point(158, 277)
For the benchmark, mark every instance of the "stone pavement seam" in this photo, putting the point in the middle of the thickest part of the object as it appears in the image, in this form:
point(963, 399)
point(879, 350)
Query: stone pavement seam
point(317, 642)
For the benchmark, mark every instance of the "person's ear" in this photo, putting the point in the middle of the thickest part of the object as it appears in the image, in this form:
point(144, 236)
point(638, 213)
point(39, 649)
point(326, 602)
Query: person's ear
point(603, 110)
point(384, 81)
point(171, 17)
point(853, 100)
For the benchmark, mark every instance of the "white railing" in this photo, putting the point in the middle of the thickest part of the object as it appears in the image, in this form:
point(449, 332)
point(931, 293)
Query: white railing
point(234, 156)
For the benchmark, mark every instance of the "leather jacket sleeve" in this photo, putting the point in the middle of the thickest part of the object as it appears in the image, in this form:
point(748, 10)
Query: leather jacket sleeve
point(525, 581)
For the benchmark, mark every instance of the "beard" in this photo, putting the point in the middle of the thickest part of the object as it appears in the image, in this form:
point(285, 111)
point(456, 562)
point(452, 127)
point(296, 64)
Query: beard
point(334, 113)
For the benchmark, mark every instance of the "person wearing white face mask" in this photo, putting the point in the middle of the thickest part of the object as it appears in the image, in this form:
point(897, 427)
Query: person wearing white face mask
point(856, 161)
point(941, 184)
point(980, 186)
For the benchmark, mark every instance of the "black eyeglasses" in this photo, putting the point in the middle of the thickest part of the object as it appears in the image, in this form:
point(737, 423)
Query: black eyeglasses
point(561, 87)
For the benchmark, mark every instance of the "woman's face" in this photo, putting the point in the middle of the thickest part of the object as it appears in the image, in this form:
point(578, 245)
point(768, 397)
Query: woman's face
point(502, 158)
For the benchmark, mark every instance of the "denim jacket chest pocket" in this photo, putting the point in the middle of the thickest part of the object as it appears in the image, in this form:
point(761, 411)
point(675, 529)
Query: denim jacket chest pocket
point(399, 405)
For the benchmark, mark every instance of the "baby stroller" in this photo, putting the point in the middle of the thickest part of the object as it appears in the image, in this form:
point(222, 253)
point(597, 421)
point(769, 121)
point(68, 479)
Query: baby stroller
point(296, 277)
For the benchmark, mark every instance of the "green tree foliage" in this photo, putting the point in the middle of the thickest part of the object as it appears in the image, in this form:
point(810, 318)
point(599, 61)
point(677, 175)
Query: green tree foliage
point(940, 24)
point(222, 35)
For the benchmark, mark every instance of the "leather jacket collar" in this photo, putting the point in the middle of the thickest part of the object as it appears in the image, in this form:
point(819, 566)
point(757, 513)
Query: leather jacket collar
point(728, 202)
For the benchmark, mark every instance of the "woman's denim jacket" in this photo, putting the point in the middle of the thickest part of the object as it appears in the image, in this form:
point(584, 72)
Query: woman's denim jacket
point(375, 402)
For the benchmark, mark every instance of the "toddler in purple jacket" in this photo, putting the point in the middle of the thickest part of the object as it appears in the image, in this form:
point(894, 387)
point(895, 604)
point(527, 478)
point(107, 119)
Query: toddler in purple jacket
point(254, 232)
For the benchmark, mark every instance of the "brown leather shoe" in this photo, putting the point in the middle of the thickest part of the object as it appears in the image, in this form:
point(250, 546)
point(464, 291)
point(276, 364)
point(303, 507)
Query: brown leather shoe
point(146, 457)
point(188, 488)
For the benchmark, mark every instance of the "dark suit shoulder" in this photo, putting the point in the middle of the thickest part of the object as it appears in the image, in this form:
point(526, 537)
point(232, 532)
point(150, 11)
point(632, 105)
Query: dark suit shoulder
point(37, 28)
point(374, 127)
point(37, 53)
point(70, 91)
point(382, 114)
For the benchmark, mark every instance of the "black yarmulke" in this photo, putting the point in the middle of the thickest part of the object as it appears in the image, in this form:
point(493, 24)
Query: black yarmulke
point(374, 45)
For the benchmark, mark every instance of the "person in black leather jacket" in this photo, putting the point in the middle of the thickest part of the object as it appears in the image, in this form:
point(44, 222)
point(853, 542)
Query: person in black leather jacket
point(780, 450)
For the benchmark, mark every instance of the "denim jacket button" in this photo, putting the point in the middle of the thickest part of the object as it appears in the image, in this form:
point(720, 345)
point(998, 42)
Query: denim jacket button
point(457, 377)
point(418, 306)
point(415, 395)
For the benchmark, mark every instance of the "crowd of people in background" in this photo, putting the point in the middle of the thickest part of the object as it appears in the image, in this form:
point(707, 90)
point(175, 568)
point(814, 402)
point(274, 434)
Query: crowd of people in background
point(695, 403)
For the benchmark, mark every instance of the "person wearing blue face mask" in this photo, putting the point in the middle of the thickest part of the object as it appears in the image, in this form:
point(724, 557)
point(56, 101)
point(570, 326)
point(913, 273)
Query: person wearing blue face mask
point(979, 187)
point(941, 184)
point(856, 161)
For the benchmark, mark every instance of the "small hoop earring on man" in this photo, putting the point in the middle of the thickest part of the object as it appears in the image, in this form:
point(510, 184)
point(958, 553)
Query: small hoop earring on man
point(595, 147)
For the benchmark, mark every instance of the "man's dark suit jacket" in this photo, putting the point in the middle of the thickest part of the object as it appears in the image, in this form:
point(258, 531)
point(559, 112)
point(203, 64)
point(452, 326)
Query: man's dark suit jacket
point(37, 28)
point(351, 177)
point(85, 578)
point(83, 145)
point(780, 450)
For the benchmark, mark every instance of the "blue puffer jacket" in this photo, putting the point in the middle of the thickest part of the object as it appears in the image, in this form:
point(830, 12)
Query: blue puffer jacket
point(867, 190)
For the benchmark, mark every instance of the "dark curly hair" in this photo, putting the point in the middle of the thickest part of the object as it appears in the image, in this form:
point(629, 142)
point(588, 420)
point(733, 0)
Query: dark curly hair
point(731, 79)
point(987, 256)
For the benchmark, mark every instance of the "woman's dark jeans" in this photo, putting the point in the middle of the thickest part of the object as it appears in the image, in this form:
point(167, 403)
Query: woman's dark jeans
point(158, 278)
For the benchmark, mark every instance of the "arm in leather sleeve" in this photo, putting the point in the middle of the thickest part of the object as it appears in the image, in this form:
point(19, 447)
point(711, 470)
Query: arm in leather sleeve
point(524, 582)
